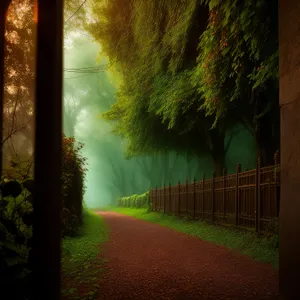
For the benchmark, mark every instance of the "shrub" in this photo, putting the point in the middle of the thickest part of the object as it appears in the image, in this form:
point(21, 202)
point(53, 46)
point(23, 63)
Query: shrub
point(73, 187)
point(16, 215)
point(73, 177)
point(15, 237)
point(137, 201)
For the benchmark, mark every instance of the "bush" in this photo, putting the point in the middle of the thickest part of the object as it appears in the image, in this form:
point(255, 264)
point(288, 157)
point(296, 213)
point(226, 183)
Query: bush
point(137, 201)
point(73, 177)
point(16, 215)
point(15, 237)
point(73, 187)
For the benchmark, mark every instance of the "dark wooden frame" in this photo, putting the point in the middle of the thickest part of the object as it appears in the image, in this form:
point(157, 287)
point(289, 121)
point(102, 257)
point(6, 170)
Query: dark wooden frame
point(48, 115)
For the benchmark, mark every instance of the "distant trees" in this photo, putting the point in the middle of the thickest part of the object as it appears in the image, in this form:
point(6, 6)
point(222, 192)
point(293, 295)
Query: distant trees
point(191, 71)
point(19, 77)
point(19, 72)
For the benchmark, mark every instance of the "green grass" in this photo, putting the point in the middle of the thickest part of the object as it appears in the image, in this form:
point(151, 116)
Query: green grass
point(263, 249)
point(80, 258)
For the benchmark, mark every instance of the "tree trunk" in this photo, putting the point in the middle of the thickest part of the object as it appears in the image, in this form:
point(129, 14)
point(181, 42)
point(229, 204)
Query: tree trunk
point(267, 143)
point(218, 150)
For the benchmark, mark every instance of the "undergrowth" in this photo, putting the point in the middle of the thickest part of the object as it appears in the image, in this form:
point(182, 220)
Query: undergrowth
point(81, 263)
point(263, 249)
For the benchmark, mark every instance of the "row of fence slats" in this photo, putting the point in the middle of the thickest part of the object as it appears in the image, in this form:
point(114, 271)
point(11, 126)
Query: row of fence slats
point(232, 199)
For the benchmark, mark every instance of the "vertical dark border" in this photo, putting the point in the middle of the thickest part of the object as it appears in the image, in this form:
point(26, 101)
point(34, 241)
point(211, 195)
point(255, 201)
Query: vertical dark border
point(48, 115)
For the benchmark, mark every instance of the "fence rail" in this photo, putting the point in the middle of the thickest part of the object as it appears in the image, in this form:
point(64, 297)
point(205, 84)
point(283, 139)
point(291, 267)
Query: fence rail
point(247, 199)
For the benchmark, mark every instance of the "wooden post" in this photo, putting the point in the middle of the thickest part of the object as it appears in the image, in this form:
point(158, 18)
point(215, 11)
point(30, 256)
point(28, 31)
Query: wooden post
point(203, 191)
point(187, 196)
point(213, 197)
point(237, 195)
point(257, 196)
point(170, 206)
point(156, 198)
point(194, 199)
point(275, 180)
point(289, 97)
point(164, 198)
point(150, 201)
point(178, 197)
point(160, 198)
point(224, 193)
point(48, 138)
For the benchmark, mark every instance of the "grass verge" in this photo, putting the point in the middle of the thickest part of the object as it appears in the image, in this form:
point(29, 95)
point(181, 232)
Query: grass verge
point(81, 263)
point(263, 249)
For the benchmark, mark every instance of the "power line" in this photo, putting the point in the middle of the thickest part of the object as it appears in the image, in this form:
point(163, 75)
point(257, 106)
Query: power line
point(78, 76)
point(76, 11)
point(86, 70)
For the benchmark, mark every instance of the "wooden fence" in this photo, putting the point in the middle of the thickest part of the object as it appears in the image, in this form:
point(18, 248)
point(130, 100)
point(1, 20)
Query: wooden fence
point(247, 199)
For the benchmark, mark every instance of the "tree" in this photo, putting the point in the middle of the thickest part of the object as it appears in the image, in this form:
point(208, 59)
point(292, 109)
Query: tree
point(158, 112)
point(237, 69)
point(19, 77)
point(186, 88)
point(19, 64)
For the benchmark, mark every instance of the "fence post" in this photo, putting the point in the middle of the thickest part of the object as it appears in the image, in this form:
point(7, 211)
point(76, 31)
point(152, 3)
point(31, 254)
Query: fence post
point(161, 207)
point(150, 200)
point(187, 196)
point(169, 206)
point(276, 179)
point(213, 197)
point(257, 197)
point(178, 197)
point(194, 199)
point(161, 198)
point(224, 193)
point(237, 195)
point(164, 198)
point(203, 181)
point(159, 202)
point(156, 198)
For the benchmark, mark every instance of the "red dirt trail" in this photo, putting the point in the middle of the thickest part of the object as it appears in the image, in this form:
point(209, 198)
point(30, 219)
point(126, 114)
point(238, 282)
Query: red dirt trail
point(147, 261)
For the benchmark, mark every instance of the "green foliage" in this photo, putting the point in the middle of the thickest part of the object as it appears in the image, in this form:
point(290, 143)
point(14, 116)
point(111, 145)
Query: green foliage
point(238, 57)
point(80, 262)
point(152, 47)
point(80, 249)
point(16, 218)
point(15, 239)
point(73, 186)
point(186, 74)
point(19, 169)
point(136, 201)
point(11, 188)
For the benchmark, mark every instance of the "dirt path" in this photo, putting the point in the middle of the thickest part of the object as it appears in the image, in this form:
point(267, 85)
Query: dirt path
point(147, 261)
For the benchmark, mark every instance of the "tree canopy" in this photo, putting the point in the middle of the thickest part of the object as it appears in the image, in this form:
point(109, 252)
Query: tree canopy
point(190, 71)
